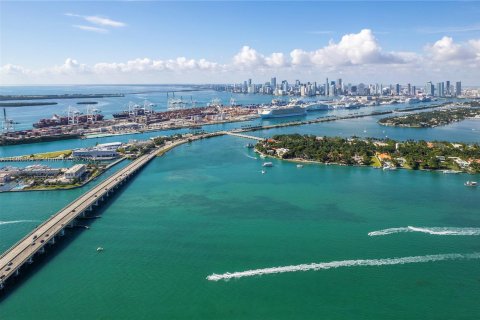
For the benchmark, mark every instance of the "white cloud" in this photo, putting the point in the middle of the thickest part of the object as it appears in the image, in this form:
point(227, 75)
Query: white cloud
point(250, 58)
point(90, 28)
point(356, 56)
point(353, 49)
point(447, 50)
point(102, 21)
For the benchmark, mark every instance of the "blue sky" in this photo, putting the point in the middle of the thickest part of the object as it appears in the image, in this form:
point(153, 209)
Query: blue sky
point(62, 42)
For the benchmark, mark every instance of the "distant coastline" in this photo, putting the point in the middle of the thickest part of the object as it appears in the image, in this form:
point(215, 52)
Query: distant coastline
point(59, 96)
point(26, 104)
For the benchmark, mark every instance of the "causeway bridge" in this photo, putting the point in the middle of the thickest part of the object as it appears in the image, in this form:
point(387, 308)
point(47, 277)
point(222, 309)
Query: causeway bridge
point(46, 234)
point(241, 135)
point(24, 251)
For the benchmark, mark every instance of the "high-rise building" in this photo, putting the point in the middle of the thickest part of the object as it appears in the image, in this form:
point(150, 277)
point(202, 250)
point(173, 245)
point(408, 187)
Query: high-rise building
point(440, 92)
point(273, 82)
point(447, 88)
point(409, 89)
point(327, 88)
point(429, 89)
point(414, 90)
point(458, 88)
point(397, 89)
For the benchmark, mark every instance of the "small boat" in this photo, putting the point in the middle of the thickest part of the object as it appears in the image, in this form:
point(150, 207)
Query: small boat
point(250, 146)
point(99, 249)
point(263, 171)
point(471, 183)
point(299, 165)
point(267, 164)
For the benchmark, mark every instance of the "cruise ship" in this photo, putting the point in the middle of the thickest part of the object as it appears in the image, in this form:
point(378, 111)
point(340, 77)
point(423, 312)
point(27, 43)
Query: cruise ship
point(316, 107)
point(290, 110)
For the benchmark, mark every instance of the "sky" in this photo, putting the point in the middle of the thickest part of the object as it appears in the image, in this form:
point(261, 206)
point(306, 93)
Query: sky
point(133, 42)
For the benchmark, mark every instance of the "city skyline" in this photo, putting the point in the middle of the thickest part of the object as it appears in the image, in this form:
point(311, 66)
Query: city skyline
point(135, 43)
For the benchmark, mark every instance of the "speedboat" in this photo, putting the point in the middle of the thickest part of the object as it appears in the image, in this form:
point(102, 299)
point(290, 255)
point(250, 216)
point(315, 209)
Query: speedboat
point(267, 164)
point(471, 183)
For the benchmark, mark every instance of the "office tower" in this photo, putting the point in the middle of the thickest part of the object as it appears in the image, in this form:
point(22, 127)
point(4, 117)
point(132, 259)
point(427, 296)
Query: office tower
point(458, 88)
point(414, 90)
point(249, 82)
point(273, 82)
point(409, 89)
point(447, 88)
point(440, 92)
point(429, 89)
point(397, 89)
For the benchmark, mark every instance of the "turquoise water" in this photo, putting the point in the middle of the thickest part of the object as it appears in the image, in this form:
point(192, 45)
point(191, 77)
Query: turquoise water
point(205, 208)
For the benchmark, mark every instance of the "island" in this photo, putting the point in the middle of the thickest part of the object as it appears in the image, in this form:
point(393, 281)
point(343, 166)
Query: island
point(387, 153)
point(433, 118)
point(26, 104)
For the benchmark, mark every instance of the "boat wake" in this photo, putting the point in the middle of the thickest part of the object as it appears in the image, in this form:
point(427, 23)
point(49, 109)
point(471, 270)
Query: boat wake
point(16, 221)
point(345, 263)
point(249, 156)
point(439, 231)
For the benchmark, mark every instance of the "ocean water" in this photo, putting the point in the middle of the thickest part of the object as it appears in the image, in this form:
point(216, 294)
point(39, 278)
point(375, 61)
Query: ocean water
point(205, 208)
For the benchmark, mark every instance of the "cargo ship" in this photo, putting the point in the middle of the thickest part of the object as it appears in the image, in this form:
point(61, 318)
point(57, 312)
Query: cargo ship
point(135, 110)
point(57, 120)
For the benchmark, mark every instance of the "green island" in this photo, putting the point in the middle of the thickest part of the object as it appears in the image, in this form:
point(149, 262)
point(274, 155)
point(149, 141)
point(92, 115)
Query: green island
point(389, 154)
point(433, 118)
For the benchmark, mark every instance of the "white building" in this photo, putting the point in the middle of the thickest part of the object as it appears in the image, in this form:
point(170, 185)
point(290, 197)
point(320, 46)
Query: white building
point(76, 171)
point(38, 170)
point(102, 151)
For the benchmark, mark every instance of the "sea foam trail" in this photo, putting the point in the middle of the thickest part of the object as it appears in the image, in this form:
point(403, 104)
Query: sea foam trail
point(344, 263)
point(16, 221)
point(439, 231)
point(249, 156)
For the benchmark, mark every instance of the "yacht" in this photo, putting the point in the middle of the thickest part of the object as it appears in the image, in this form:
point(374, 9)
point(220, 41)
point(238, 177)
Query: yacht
point(267, 164)
point(471, 183)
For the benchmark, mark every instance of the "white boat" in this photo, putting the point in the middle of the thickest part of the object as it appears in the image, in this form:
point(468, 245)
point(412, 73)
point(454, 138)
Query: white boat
point(291, 110)
point(263, 171)
point(412, 100)
point(354, 105)
point(99, 249)
point(299, 165)
point(316, 107)
point(471, 183)
point(267, 164)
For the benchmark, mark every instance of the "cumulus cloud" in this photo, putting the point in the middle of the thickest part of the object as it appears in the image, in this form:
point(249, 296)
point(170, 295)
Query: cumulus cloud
point(447, 50)
point(249, 57)
point(354, 55)
point(353, 49)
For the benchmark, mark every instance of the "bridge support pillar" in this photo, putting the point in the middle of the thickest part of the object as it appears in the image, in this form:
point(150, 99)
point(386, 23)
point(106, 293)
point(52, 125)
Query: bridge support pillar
point(17, 272)
point(30, 260)
point(62, 232)
point(42, 250)
point(52, 241)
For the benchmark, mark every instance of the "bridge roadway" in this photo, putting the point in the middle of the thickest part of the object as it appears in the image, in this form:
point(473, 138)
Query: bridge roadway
point(238, 134)
point(24, 250)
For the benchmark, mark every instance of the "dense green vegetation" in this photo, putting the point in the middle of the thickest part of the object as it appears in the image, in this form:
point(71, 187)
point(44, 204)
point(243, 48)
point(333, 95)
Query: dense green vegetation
point(410, 154)
point(432, 118)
